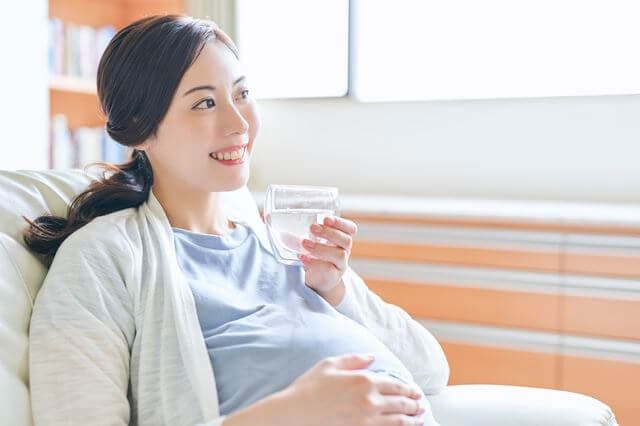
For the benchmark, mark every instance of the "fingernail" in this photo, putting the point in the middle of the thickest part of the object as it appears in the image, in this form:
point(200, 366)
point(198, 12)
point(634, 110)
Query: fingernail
point(315, 228)
point(309, 243)
point(329, 220)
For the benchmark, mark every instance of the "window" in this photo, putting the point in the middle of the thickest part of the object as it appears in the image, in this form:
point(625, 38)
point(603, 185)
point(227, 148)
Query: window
point(461, 49)
point(294, 49)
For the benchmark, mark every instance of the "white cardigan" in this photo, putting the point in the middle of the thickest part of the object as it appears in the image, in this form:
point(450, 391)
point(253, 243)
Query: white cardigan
point(115, 338)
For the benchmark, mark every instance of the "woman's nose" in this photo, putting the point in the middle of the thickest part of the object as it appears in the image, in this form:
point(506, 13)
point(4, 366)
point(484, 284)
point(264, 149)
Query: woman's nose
point(234, 122)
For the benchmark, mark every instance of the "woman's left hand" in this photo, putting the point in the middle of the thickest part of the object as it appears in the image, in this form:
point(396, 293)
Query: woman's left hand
point(326, 264)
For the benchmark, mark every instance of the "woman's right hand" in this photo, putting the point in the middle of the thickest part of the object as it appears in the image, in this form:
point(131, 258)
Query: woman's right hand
point(335, 392)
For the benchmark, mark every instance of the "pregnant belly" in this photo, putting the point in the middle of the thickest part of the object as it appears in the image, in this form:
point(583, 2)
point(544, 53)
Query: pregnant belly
point(286, 344)
point(339, 335)
point(263, 353)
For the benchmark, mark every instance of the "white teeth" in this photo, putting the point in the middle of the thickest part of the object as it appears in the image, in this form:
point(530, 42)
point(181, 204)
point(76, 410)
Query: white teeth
point(234, 155)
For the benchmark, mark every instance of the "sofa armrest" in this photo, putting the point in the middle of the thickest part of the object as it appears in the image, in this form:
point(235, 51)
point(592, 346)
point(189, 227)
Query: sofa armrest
point(498, 405)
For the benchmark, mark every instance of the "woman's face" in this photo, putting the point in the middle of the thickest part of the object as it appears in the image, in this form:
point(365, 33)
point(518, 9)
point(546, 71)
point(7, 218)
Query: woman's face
point(211, 111)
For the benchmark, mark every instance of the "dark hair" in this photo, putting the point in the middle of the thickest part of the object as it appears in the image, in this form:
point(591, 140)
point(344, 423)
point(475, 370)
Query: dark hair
point(137, 77)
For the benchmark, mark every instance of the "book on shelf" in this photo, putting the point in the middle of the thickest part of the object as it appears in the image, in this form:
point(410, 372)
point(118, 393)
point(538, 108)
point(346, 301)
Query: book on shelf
point(75, 50)
point(77, 148)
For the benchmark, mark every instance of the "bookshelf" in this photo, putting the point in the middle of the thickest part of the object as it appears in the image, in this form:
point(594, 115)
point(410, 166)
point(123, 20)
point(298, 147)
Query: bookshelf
point(72, 95)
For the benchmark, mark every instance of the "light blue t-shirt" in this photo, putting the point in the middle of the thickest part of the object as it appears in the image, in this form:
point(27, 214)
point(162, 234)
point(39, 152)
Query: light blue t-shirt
point(262, 325)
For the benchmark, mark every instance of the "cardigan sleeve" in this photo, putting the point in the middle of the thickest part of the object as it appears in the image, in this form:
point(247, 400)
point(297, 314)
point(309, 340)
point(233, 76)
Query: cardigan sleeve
point(411, 342)
point(81, 331)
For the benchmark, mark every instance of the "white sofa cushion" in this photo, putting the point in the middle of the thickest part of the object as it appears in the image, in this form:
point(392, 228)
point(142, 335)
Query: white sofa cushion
point(499, 405)
point(31, 194)
point(14, 319)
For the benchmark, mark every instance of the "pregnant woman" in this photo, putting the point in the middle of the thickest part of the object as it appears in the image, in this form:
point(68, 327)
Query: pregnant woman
point(162, 306)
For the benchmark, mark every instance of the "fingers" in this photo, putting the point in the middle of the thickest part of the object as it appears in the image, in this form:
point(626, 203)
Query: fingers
point(335, 230)
point(345, 225)
point(401, 405)
point(337, 237)
point(336, 255)
point(400, 399)
point(391, 386)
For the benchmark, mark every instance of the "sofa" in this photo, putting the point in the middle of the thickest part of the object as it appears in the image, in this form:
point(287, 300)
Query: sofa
point(34, 192)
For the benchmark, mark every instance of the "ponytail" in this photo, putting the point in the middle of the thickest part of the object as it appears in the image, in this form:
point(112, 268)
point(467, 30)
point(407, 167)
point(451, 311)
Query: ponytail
point(128, 186)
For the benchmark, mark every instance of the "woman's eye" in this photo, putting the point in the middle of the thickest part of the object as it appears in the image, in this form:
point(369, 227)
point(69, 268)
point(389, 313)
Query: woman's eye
point(244, 94)
point(209, 104)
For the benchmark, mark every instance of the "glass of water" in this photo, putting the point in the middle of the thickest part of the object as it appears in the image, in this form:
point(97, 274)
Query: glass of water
point(289, 211)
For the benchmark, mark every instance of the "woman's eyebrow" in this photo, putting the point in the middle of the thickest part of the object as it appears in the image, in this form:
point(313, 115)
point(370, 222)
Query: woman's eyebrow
point(208, 87)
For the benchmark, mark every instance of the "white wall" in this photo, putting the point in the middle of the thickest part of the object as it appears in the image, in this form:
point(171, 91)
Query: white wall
point(24, 101)
point(573, 148)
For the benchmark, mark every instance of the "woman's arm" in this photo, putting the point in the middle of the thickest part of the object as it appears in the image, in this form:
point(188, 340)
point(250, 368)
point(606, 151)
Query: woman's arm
point(412, 343)
point(81, 332)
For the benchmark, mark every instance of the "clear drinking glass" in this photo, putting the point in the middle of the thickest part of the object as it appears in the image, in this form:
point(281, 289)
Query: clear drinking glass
point(289, 211)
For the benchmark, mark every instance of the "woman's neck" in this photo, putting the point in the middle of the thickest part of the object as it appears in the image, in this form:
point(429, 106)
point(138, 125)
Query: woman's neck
point(200, 212)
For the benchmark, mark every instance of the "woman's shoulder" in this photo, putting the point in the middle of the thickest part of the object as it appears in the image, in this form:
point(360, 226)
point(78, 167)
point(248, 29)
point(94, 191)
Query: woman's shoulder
point(104, 234)
point(94, 261)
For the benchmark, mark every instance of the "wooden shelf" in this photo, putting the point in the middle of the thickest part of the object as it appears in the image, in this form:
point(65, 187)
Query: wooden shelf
point(118, 13)
point(75, 97)
point(73, 85)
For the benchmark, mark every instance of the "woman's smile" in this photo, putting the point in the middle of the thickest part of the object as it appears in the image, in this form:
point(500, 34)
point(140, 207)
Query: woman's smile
point(231, 156)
